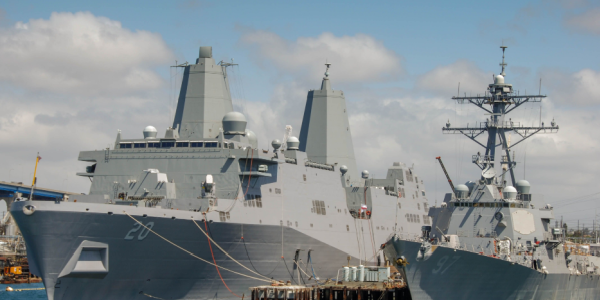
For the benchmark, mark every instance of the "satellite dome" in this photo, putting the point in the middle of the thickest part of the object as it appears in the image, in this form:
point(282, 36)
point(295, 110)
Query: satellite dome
point(252, 139)
point(234, 123)
point(150, 132)
point(523, 186)
point(470, 185)
point(276, 144)
point(343, 169)
point(499, 79)
point(293, 143)
point(462, 191)
point(365, 174)
point(509, 192)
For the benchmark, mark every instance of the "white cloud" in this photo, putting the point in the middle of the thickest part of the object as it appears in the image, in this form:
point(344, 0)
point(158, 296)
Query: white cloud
point(268, 120)
point(444, 79)
point(356, 59)
point(68, 83)
point(80, 54)
point(588, 21)
point(580, 88)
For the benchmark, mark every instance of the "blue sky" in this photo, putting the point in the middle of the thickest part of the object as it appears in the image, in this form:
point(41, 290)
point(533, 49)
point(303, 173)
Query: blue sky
point(425, 35)
point(398, 63)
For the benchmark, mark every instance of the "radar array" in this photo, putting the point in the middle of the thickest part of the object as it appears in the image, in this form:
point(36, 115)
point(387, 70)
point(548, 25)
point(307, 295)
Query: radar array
point(498, 101)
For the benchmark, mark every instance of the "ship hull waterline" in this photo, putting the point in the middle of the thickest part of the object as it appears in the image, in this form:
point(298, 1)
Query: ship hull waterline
point(449, 274)
point(153, 266)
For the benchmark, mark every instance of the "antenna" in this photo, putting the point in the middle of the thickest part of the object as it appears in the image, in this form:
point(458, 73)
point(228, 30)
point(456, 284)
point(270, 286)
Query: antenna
point(540, 86)
point(503, 64)
point(327, 70)
point(458, 94)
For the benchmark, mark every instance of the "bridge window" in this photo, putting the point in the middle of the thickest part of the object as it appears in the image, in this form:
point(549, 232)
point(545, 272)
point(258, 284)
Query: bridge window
point(153, 145)
point(196, 144)
point(167, 144)
point(139, 145)
point(210, 145)
point(183, 144)
point(125, 145)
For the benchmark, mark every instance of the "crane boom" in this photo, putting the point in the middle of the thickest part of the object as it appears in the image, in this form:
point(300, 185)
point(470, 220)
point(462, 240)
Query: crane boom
point(446, 173)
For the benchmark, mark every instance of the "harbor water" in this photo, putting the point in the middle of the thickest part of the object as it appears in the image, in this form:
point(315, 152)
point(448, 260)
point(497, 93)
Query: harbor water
point(22, 295)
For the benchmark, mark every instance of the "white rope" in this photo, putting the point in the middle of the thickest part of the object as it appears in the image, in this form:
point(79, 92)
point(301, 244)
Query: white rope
point(154, 297)
point(192, 254)
point(227, 254)
point(306, 267)
point(300, 268)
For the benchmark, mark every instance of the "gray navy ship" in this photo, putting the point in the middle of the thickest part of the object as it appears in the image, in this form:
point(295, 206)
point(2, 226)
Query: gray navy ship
point(203, 213)
point(491, 238)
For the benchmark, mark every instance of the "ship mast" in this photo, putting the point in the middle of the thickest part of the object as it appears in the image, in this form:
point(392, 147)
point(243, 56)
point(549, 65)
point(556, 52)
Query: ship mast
point(498, 101)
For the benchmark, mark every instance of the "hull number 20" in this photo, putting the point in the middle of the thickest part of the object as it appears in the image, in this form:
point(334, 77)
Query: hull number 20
point(136, 227)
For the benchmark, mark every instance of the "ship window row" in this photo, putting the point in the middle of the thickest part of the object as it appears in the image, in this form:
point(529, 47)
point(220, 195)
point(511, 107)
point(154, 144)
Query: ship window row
point(413, 218)
point(253, 200)
point(484, 204)
point(318, 207)
point(169, 144)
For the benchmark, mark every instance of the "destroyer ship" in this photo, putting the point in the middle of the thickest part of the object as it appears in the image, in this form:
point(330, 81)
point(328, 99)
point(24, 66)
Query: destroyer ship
point(492, 238)
point(204, 213)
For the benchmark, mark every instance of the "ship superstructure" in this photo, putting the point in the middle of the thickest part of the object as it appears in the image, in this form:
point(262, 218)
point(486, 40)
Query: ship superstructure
point(492, 238)
point(202, 212)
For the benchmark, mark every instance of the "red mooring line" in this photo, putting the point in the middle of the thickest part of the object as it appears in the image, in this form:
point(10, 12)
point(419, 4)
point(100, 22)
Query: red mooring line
point(214, 261)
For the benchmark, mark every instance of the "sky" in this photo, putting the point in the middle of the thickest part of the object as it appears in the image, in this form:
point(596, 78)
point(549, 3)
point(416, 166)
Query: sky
point(72, 73)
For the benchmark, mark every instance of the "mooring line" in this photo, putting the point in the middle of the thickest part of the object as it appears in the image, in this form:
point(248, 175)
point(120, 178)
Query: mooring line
point(191, 253)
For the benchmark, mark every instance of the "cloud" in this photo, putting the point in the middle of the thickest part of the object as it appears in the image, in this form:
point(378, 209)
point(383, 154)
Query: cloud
point(67, 83)
point(573, 89)
point(444, 79)
point(356, 59)
point(80, 54)
point(587, 22)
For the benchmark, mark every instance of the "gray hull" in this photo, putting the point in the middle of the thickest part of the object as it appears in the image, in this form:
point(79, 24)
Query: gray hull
point(155, 267)
point(450, 274)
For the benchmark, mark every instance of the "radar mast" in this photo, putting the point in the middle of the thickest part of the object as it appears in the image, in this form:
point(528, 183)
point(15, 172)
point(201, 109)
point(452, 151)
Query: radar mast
point(499, 100)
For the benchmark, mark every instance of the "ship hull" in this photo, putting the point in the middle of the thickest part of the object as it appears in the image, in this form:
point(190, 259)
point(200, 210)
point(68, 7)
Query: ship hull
point(157, 267)
point(449, 274)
